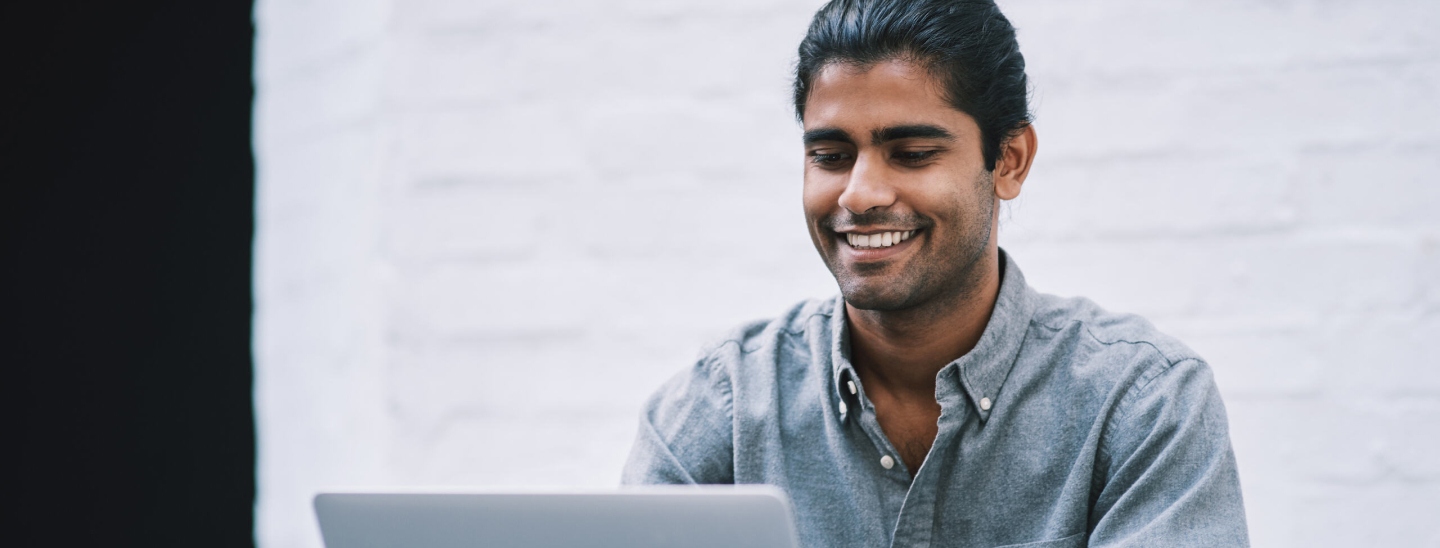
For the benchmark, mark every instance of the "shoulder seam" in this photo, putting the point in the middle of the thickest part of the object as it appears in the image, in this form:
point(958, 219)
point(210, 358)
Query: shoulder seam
point(716, 345)
point(1169, 361)
point(804, 320)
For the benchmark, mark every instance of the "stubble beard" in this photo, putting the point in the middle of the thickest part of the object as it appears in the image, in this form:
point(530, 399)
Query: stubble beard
point(940, 275)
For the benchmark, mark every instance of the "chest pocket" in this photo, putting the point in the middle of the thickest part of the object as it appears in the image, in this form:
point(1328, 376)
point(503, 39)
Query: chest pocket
point(1076, 540)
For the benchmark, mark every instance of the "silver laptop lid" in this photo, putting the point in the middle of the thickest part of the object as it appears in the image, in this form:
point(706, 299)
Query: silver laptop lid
point(754, 516)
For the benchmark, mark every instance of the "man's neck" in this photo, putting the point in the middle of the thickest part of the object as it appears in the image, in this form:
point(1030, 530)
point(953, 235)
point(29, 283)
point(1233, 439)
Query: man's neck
point(904, 350)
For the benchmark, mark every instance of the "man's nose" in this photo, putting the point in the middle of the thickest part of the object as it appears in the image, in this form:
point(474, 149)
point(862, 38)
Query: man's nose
point(869, 185)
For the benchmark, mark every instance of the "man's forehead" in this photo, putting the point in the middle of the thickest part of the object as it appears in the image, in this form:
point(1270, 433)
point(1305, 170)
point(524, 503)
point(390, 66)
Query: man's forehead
point(869, 98)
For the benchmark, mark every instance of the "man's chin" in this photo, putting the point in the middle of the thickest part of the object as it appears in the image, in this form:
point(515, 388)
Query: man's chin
point(878, 297)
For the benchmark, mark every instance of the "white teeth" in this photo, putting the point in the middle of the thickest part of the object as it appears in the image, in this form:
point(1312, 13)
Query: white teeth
point(883, 239)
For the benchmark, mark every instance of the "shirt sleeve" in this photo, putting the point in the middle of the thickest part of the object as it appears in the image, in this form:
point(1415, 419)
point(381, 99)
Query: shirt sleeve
point(1169, 471)
point(686, 432)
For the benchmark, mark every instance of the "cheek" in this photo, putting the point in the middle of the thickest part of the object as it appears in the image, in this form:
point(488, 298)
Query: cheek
point(969, 208)
point(951, 209)
point(821, 194)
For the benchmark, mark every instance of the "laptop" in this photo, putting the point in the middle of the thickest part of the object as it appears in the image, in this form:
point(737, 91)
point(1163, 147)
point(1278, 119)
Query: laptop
point(754, 516)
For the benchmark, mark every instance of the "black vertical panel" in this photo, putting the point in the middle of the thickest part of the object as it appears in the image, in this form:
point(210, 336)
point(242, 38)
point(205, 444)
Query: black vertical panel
point(127, 224)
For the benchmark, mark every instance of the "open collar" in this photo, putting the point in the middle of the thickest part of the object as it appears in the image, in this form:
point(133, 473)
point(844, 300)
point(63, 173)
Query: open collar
point(981, 372)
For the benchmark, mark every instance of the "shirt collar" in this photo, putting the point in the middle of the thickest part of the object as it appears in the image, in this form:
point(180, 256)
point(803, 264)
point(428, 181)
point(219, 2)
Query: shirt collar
point(980, 372)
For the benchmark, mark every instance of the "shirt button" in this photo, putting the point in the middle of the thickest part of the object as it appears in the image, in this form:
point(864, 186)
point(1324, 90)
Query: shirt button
point(984, 404)
point(886, 462)
point(851, 384)
point(843, 408)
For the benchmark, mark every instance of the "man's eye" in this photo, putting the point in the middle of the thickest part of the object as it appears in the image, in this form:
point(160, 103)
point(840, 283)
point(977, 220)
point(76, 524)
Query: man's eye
point(828, 158)
point(914, 156)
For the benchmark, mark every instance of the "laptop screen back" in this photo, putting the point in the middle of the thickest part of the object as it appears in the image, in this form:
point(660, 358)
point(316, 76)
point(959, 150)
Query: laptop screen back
point(696, 517)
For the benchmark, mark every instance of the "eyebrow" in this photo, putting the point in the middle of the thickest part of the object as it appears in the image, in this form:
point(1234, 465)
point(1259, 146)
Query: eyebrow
point(880, 136)
point(827, 134)
point(913, 131)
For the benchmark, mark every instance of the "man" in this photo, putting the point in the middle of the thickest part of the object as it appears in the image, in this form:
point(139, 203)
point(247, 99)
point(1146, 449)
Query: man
point(939, 401)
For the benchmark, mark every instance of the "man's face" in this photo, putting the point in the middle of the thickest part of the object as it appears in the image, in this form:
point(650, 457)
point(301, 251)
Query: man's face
point(897, 195)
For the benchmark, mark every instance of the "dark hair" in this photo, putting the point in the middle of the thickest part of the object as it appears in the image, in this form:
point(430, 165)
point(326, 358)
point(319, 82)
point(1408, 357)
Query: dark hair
point(967, 45)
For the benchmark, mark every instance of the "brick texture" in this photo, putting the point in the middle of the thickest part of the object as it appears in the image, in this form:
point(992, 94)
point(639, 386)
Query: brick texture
point(487, 230)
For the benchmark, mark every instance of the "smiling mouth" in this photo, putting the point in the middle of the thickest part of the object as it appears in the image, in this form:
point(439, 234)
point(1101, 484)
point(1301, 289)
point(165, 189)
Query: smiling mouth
point(878, 240)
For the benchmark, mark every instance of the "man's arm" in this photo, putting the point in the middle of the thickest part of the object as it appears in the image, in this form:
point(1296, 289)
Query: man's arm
point(686, 431)
point(1170, 477)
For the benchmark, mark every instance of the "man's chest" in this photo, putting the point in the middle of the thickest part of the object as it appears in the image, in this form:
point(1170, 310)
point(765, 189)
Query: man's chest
point(976, 488)
point(911, 428)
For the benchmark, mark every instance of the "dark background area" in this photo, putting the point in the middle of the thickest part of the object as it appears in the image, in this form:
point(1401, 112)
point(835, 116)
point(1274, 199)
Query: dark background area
point(127, 222)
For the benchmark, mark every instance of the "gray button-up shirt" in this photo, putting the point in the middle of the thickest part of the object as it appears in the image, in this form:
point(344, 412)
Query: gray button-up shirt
point(1066, 425)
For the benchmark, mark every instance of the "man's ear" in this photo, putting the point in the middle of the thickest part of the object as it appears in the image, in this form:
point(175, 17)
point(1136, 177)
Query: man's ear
point(1013, 163)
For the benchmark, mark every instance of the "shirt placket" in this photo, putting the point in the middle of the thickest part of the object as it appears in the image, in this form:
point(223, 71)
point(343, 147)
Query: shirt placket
point(915, 524)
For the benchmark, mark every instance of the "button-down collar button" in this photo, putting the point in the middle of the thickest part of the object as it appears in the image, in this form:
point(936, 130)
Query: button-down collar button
point(843, 408)
point(886, 462)
point(984, 404)
point(851, 385)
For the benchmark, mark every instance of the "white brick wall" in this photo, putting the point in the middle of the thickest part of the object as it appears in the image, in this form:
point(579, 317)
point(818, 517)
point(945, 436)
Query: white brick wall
point(488, 229)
